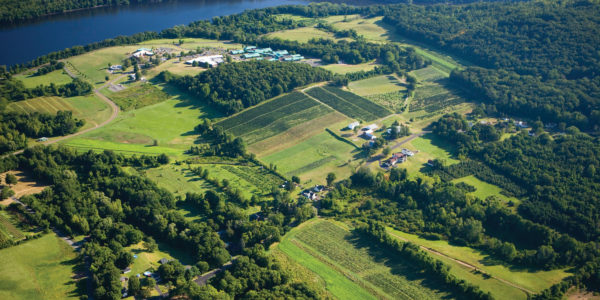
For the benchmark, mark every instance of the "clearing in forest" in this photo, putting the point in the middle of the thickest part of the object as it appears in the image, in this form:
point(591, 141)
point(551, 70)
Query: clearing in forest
point(303, 34)
point(354, 268)
point(38, 269)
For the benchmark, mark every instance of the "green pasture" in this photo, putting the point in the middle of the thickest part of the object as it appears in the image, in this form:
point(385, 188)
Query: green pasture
point(426, 147)
point(535, 281)
point(303, 34)
point(343, 258)
point(430, 73)
point(38, 269)
point(345, 68)
point(369, 28)
point(376, 85)
point(93, 110)
point(58, 77)
point(169, 123)
point(93, 65)
point(484, 189)
point(314, 158)
point(178, 180)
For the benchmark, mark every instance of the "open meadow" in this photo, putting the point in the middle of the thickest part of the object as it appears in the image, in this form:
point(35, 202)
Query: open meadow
point(534, 281)
point(484, 189)
point(38, 269)
point(166, 127)
point(352, 267)
point(342, 68)
point(58, 77)
point(303, 34)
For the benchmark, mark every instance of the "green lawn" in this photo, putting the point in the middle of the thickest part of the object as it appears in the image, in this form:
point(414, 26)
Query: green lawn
point(376, 85)
point(58, 77)
point(313, 158)
point(345, 68)
point(177, 179)
point(38, 269)
point(485, 189)
point(150, 260)
point(303, 34)
point(425, 148)
point(93, 110)
point(535, 281)
point(344, 259)
point(170, 123)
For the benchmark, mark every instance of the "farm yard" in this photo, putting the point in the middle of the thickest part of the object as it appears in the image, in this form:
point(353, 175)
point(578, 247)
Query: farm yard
point(38, 269)
point(352, 267)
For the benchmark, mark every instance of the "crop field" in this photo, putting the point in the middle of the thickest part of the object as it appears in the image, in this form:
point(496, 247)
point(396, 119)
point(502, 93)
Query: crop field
point(429, 73)
point(341, 255)
point(348, 103)
point(8, 229)
point(58, 77)
point(303, 34)
point(298, 134)
point(138, 96)
point(177, 179)
point(376, 85)
point(345, 68)
point(274, 117)
point(434, 96)
point(93, 110)
point(314, 157)
point(393, 101)
point(137, 131)
point(38, 269)
point(535, 281)
point(484, 189)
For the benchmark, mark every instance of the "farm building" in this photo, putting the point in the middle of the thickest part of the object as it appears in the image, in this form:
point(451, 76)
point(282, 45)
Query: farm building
point(273, 59)
point(370, 127)
point(398, 128)
point(142, 52)
point(369, 135)
point(250, 55)
point(42, 139)
point(293, 57)
point(280, 53)
point(397, 158)
point(211, 60)
point(249, 48)
point(263, 51)
point(234, 52)
point(353, 125)
point(407, 152)
point(163, 261)
point(115, 67)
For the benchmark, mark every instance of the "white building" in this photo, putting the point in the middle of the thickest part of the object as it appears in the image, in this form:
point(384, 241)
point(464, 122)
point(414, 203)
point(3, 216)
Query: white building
point(352, 125)
point(211, 60)
point(142, 52)
point(371, 127)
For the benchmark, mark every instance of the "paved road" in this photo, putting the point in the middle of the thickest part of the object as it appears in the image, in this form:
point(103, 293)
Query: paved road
point(467, 265)
point(204, 278)
point(113, 106)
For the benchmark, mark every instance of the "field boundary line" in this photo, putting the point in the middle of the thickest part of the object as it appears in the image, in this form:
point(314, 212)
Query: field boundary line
point(465, 264)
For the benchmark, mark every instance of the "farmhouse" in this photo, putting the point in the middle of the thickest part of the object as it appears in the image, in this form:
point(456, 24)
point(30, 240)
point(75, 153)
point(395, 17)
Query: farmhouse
point(353, 125)
point(397, 158)
point(211, 60)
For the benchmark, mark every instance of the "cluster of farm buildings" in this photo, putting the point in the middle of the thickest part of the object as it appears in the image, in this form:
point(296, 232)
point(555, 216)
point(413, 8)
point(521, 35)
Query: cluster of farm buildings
point(252, 52)
point(397, 158)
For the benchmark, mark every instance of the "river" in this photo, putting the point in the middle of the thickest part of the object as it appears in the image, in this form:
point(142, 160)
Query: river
point(24, 42)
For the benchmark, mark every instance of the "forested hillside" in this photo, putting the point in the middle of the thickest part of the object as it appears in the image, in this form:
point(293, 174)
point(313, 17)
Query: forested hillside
point(545, 48)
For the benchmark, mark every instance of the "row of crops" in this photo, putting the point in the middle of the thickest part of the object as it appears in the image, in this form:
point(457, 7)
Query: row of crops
point(392, 275)
point(274, 117)
point(257, 176)
point(257, 111)
point(363, 103)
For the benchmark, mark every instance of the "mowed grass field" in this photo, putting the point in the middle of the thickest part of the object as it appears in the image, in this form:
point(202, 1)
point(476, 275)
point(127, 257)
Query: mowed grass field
point(38, 269)
point(170, 123)
point(427, 147)
point(93, 110)
point(342, 68)
point(535, 281)
point(484, 189)
point(352, 267)
point(303, 34)
point(58, 77)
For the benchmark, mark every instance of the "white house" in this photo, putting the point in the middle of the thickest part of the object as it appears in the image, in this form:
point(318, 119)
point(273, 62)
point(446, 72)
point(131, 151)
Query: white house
point(352, 125)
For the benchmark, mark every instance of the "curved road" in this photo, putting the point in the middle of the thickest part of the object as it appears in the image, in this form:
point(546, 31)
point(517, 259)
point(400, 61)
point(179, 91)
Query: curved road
point(113, 106)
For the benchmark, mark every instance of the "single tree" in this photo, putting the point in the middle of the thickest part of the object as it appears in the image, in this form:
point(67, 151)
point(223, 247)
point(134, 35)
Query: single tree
point(10, 179)
point(330, 178)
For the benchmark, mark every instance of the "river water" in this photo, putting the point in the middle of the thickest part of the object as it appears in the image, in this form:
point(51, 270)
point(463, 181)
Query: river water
point(24, 42)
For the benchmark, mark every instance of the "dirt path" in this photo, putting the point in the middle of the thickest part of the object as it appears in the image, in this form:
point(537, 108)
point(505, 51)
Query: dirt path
point(113, 106)
point(465, 264)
